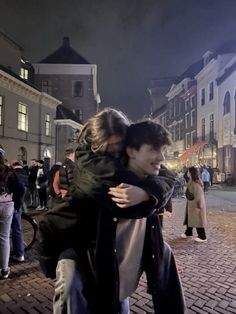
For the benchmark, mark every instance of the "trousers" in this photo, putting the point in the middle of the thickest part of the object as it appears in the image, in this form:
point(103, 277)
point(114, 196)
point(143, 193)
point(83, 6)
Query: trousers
point(69, 294)
point(17, 234)
point(6, 213)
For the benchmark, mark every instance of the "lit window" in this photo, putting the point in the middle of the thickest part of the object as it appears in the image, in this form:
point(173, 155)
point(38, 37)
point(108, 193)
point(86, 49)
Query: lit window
point(77, 89)
point(22, 117)
point(24, 73)
point(0, 110)
point(79, 114)
point(47, 124)
point(47, 86)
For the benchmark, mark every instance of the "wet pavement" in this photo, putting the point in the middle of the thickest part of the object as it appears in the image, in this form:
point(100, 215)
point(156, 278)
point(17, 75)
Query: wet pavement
point(208, 277)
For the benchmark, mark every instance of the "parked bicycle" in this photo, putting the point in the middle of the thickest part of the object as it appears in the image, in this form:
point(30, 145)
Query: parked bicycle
point(29, 227)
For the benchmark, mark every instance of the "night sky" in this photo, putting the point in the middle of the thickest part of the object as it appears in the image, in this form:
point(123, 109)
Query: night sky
point(131, 41)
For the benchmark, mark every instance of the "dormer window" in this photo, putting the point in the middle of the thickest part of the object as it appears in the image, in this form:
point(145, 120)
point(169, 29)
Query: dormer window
point(24, 73)
point(207, 57)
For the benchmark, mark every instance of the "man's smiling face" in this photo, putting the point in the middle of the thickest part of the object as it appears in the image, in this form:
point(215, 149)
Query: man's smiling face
point(147, 160)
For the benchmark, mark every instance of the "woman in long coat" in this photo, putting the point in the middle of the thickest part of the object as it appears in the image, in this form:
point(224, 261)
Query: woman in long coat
point(196, 207)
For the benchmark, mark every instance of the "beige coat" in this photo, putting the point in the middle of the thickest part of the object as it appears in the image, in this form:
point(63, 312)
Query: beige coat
point(196, 218)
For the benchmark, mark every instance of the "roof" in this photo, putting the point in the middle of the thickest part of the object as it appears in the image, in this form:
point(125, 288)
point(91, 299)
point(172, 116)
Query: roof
point(13, 74)
point(64, 113)
point(191, 71)
point(65, 55)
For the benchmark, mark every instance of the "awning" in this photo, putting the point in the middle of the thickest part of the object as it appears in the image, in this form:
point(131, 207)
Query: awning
point(192, 150)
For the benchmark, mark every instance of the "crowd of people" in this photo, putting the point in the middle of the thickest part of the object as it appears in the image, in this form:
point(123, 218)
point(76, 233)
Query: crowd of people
point(103, 228)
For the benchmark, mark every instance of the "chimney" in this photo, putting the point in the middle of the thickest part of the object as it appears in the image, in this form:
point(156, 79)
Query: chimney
point(66, 42)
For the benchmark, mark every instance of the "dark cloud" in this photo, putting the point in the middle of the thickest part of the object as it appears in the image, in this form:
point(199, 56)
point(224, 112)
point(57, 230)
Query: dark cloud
point(130, 41)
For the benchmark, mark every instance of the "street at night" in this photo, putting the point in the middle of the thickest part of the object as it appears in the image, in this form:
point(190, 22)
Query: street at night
point(208, 276)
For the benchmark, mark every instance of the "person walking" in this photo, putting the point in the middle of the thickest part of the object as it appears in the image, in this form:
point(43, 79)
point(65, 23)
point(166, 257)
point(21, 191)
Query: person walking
point(33, 169)
point(195, 216)
point(205, 178)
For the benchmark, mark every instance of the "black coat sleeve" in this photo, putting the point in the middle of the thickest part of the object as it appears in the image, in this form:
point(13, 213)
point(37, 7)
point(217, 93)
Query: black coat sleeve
point(95, 174)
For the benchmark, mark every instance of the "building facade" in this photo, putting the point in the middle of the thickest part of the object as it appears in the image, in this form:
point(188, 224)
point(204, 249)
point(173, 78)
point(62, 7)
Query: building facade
point(27, 129)
point(200, 113)
point(69, 77)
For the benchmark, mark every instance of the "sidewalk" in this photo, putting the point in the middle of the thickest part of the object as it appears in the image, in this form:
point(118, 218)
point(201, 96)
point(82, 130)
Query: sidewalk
point(209, 269)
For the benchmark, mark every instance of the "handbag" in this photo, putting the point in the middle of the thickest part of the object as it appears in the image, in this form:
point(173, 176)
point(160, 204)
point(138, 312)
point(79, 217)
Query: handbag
point(189, 195)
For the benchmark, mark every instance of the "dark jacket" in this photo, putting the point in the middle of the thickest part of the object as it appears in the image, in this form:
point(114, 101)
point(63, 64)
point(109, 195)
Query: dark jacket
point(93, 176)
point(32, 174)
point(66, 174)
point(10, 184)
point(18, 195)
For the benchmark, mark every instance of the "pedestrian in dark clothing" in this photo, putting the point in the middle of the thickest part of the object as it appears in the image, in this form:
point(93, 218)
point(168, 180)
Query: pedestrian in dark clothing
point(16, 226)
point(25, 167)
point(33, 169)
point(168, 208)
point(211, 173)
point(42, 185)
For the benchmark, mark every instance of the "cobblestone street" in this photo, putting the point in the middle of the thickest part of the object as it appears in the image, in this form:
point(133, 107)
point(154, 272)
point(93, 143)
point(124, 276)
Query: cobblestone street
point(208, 277)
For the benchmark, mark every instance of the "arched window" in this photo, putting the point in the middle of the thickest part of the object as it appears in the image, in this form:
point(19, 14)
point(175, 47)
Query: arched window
point(22, 153)
point(226, 104)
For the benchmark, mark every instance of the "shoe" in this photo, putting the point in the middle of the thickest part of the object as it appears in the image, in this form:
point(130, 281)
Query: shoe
point(40, 208)
point(19, 259)
point(184, 236)
point(5, 273)
point(200, 240)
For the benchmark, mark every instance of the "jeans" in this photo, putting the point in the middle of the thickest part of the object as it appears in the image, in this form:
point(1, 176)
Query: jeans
point(17, 234)
point(6, 213)
point(33, 194)
point(206, 185)
point(69, 297)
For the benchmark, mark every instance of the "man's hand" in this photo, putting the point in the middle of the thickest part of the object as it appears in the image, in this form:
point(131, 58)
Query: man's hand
point(126, 195)
point(167, 214)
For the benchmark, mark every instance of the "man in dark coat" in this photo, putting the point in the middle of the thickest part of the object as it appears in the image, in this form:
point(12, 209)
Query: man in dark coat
point(96, 173)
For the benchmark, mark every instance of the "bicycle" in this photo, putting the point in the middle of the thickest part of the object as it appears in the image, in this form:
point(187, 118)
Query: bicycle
point(29, 227)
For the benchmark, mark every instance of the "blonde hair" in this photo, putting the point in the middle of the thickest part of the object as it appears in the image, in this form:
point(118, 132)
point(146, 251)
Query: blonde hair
point(101, 127)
